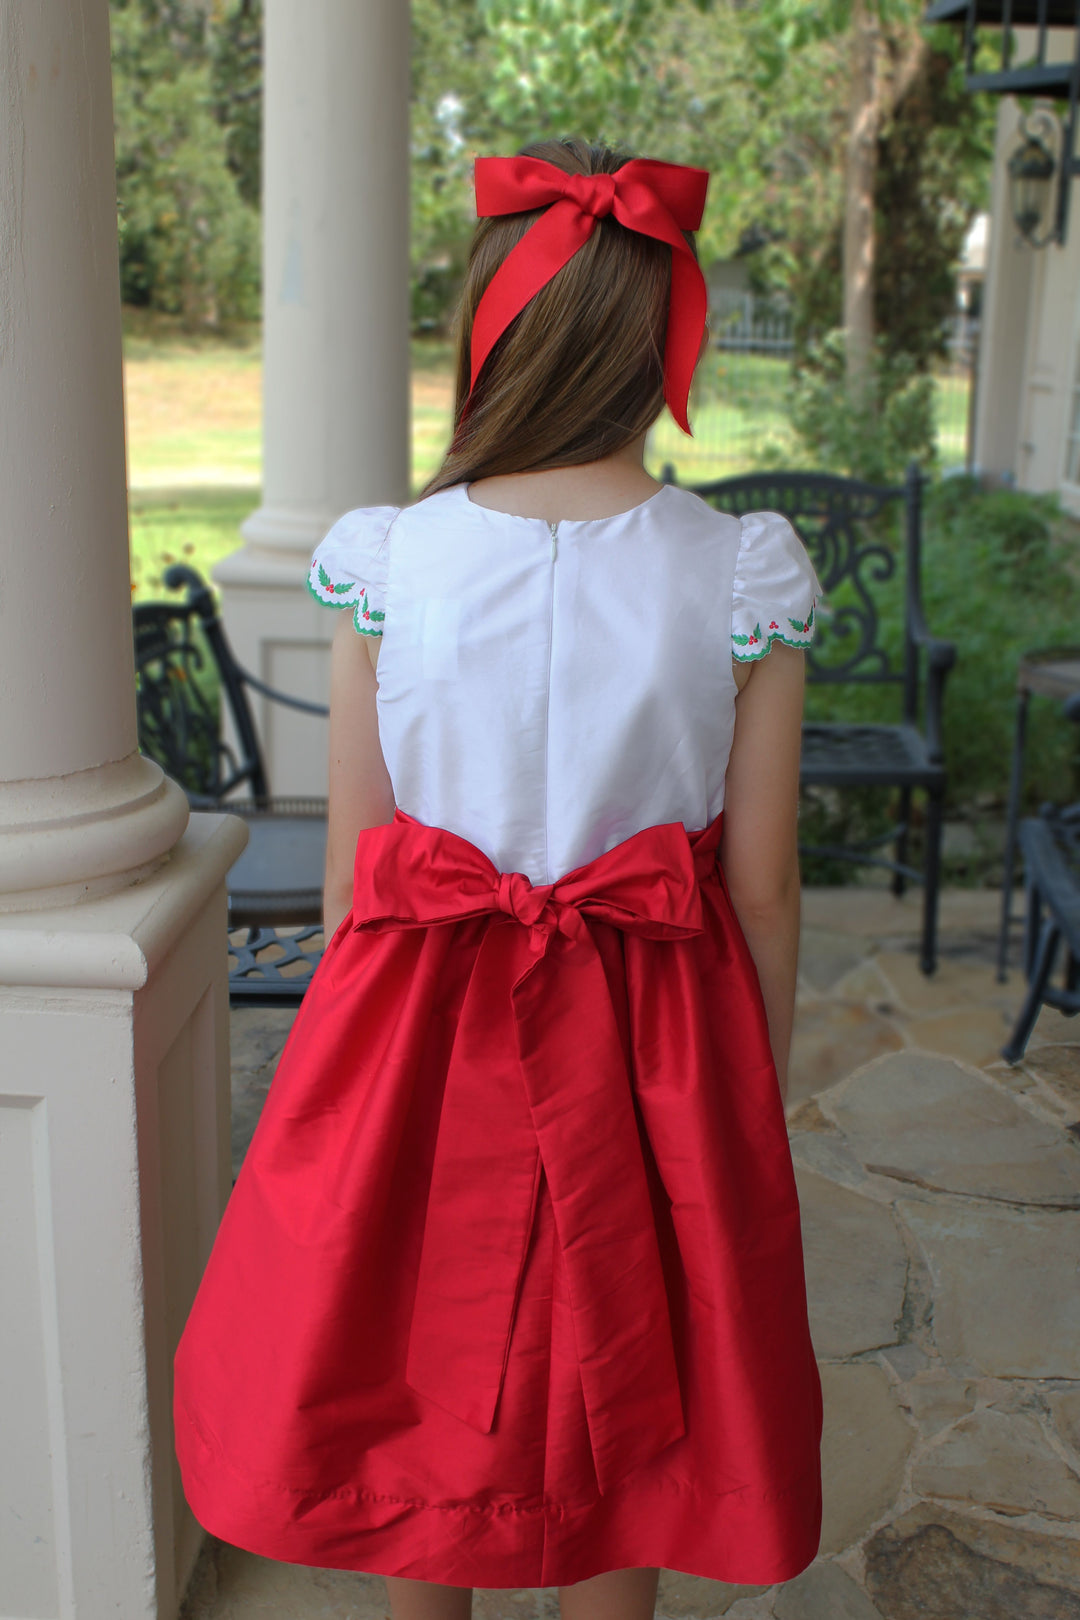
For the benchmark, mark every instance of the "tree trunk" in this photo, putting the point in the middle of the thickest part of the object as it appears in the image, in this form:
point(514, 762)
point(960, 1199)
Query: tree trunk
point(859, 193)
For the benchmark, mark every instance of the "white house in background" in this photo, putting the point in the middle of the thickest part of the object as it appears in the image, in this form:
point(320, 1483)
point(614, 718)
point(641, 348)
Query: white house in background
point(1027, 426)
point(971, 272)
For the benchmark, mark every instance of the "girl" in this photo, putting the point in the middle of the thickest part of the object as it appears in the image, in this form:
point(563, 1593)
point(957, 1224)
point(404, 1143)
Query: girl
point(510, 1288)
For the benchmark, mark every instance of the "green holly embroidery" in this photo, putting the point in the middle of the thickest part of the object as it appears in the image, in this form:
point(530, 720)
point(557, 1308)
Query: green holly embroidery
point(373, 616)
point(368, 620)
point(761, 640)
point(324, 590)
point(328, 585)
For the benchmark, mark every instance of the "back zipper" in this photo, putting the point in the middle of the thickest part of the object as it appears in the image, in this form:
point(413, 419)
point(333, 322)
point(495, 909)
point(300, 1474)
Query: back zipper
point(554, 527)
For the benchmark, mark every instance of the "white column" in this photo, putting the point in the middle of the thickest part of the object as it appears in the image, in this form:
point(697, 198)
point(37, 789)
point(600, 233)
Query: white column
point(113, 993)
point(81, 812)
point(335, 333)
point(1003, 336)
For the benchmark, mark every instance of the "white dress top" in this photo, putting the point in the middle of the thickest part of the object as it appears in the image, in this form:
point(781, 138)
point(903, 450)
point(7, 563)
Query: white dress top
point(546, 691)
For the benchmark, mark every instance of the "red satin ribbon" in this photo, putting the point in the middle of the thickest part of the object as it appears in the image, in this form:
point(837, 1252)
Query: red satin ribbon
point(661, 200)
point(539, 999)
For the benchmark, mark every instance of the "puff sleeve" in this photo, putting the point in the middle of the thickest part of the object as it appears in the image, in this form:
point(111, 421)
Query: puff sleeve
point(776, 590)
point(349, 566)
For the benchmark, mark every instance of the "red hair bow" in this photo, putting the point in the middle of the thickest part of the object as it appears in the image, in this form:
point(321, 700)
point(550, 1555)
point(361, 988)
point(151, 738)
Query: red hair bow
point(661, 200)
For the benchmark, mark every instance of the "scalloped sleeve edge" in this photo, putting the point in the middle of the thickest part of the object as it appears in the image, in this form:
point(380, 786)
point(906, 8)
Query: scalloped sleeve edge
point(347, 569)
point(776, 589)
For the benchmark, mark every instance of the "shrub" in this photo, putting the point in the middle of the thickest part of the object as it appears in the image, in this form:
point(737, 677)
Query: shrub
point(189, 243)
point(871, 433)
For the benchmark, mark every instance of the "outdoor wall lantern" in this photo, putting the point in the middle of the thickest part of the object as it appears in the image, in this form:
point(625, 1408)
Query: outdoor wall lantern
point(1032, 167)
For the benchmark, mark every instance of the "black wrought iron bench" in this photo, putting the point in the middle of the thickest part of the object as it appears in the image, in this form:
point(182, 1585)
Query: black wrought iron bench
point(831, 515)
point(277, 882)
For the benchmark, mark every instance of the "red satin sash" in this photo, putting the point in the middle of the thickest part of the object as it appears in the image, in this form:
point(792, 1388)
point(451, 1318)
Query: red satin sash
point(537, 1077)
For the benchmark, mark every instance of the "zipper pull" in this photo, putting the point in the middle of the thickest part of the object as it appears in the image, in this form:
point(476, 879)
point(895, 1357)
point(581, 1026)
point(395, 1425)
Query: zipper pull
point(554, 527)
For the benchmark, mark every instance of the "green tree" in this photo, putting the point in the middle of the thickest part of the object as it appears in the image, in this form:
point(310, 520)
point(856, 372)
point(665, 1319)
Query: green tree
point(236, 74)
point(451, 68)
point(566, 66)
point(189, 243)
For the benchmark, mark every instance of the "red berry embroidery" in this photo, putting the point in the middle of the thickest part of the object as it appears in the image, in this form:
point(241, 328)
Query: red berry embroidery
point(773, 625)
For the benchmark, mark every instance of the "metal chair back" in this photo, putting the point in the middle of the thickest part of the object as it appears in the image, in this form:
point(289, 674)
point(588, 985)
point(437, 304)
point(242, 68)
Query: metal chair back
point(839, 521)
point(181, 655)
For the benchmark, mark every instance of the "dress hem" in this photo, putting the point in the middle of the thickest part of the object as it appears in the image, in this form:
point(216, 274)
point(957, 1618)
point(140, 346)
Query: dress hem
point(518, 1551)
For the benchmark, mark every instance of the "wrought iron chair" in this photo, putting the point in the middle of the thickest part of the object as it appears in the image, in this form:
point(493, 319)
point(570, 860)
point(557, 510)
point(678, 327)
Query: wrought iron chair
point(829, 513)
point(277, 882)
point(1050, 844)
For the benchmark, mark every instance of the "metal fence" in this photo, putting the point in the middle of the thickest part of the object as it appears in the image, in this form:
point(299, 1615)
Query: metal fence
point(957, 379)
point(740, 403)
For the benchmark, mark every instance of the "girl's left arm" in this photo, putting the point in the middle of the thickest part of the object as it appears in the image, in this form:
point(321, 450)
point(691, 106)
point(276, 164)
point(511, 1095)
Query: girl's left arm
point(759, 847)
point(361, 794)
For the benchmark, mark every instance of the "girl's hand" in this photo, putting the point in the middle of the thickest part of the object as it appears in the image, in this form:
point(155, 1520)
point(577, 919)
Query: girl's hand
point(759, 841)
point(360, 791)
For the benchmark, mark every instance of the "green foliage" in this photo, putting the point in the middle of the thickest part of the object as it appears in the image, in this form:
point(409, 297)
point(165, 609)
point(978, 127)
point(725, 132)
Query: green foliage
point(933, 169)
point(236, 78)
point(189, 243)
point(870, 432)
point(659, 77)
point(756, 92)
point(933, 165)
point(561, 66)
point(450, 70)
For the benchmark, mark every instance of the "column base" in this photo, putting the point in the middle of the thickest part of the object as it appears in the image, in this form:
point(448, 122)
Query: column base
point(66, 839)
point(296, 529)
point(114, 1171)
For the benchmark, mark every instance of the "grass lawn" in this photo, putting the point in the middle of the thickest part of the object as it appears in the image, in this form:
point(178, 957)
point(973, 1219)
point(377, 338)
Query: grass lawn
point(737, 411)
point(194, 445)
point(194, 441)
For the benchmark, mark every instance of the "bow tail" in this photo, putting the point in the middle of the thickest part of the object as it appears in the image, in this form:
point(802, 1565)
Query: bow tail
point(529, 265)
point(583, 1112)
point(685, 329)
point(481, 1207)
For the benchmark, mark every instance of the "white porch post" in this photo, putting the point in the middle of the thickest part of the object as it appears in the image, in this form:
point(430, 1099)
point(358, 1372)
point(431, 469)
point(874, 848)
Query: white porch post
point(113, 1003)
point(1006, 303)
point(336, 337)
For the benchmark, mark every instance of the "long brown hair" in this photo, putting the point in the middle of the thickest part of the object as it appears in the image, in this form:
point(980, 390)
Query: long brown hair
point(579, 373)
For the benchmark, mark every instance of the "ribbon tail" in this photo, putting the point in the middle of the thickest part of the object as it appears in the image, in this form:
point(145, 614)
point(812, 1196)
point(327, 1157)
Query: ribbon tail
point(481, 1208)
point(639, 209)
point(580, 1096)
point(530, 265)
point(685, 330)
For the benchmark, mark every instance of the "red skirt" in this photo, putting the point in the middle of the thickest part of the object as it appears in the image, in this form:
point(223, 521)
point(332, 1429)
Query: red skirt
point(510, 1290)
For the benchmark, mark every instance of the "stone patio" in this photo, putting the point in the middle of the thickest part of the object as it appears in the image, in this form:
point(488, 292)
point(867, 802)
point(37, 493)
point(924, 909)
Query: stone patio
point(940, 1194)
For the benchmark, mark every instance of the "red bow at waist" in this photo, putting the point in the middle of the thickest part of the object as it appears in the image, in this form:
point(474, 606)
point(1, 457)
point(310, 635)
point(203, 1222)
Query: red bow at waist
point(537, 1080)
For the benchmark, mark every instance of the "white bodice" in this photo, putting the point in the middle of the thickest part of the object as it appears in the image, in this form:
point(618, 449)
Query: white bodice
point(547, 695)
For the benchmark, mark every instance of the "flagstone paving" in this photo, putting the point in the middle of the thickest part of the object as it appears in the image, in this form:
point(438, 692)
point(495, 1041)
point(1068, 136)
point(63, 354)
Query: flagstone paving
point(940, 1199)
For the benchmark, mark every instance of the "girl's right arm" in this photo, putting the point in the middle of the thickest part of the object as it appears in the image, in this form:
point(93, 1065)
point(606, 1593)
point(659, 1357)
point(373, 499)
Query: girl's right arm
point(759, 839)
